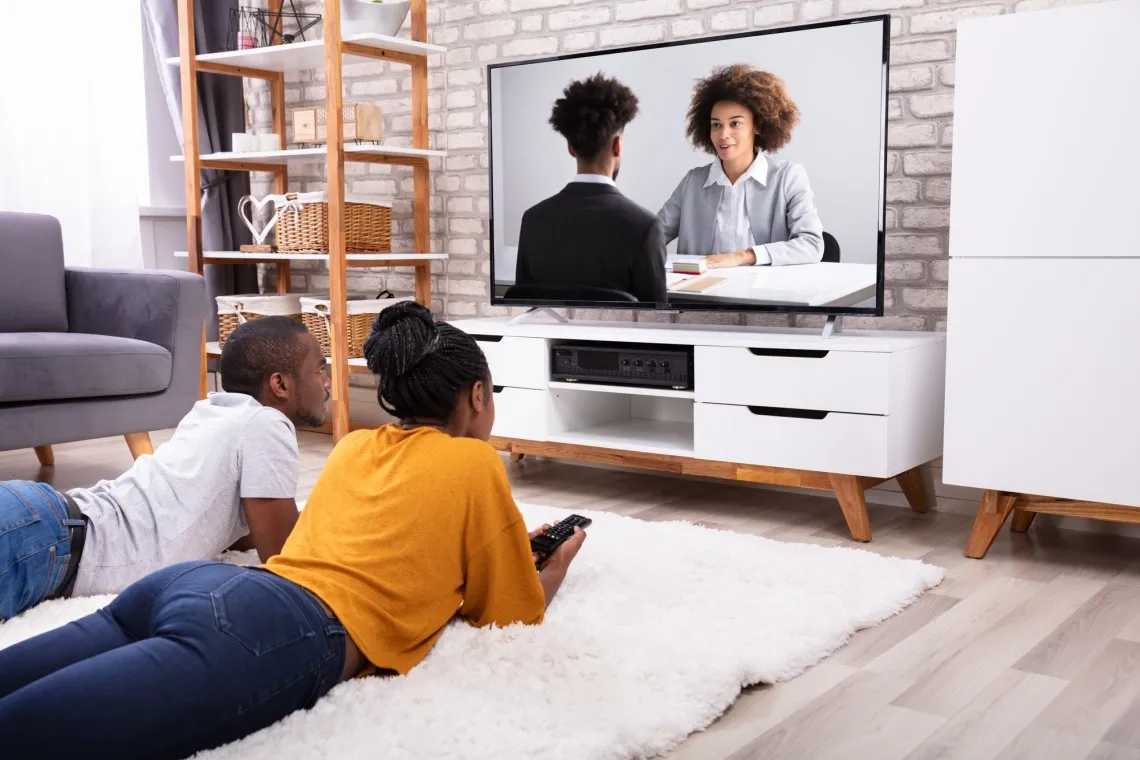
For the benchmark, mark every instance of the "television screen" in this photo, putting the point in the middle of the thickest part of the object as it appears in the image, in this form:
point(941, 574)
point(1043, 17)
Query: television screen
point(742, 172)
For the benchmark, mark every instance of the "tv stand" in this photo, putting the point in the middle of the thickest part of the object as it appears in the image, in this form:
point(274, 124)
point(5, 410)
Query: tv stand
point(782, 406)
point(525, 316)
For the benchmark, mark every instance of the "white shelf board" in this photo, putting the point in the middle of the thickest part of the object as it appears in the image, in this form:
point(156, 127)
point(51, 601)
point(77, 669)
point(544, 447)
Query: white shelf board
point(242, 256)
point(310, 54)
point(214, 350)
point(635, 434)
point(627, 390)
point(317, 154)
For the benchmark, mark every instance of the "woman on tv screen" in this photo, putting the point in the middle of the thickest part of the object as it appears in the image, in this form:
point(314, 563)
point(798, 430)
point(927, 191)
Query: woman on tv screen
point(745, 208)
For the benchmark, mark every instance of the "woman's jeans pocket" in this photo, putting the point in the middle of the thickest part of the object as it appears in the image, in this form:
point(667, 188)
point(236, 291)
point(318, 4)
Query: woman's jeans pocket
point(277, 620)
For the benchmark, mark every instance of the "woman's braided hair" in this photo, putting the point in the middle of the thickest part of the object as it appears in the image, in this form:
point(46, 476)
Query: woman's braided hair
point(422, 364)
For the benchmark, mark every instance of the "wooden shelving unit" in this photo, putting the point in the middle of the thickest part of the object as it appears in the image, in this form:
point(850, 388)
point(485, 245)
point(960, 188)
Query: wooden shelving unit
point(271, 64)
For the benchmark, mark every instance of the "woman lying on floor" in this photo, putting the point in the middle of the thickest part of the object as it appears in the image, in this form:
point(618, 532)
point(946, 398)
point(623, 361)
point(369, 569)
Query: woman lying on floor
point(406, 526)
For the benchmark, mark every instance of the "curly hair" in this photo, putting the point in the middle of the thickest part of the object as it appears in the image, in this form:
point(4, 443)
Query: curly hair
point(591, 111)
point(773, 111)
point(422, 364)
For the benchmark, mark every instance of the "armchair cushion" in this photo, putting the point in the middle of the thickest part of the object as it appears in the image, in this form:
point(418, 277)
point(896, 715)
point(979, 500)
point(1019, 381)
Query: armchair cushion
point(32, 291)
point(66, 366)
point(136, 304)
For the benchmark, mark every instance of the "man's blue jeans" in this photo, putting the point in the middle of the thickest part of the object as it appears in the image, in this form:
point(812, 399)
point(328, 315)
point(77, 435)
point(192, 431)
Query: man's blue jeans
point(188, 658)
point(35, 544)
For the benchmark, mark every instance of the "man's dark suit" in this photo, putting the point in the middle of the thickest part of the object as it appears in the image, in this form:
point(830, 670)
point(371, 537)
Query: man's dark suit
point(591, 234)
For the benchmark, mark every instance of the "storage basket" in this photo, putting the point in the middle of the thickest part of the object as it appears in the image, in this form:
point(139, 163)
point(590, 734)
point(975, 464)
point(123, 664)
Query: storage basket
point(303, 225)
point(234, 310)
point(359, 315)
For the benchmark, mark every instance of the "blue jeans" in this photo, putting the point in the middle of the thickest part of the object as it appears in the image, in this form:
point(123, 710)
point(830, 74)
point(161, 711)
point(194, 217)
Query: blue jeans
point(190, 657)
point(35, 544)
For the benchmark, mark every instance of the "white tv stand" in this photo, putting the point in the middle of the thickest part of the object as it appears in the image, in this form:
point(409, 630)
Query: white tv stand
point(781, 406)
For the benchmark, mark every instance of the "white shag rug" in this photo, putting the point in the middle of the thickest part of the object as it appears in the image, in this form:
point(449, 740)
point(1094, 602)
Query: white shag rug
point(652, 636)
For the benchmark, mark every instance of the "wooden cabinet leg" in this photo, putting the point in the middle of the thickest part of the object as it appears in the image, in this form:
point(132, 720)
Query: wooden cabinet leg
point(45, 455)
point(995, 508)
point(139, 444)
point(853, 502)
point(1021, 521)
point(914, 488)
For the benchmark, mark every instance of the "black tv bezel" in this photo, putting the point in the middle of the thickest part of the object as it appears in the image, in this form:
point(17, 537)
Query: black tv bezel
point(876, 311)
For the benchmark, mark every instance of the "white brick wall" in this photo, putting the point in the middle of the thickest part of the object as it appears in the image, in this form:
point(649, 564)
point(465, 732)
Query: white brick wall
point(477, 32)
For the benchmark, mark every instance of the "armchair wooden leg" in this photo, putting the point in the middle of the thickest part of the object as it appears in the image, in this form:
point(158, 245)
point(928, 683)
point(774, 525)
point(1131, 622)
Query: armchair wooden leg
point(992, 514)
point(1021, 521)
point(139, 444)
point(45, 455)
point(914, 488)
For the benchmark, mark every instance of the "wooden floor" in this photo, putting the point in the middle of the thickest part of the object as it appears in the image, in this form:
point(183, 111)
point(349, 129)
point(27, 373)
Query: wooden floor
point(1033, 652)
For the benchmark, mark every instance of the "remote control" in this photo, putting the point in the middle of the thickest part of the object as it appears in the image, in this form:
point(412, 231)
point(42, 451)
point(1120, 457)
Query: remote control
point(544, 544)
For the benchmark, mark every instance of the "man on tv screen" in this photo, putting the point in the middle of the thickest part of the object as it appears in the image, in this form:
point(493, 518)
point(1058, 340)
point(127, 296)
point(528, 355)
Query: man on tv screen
point(589, 240)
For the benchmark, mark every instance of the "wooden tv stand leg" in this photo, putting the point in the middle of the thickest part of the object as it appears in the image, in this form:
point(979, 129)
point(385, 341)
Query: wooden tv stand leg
point(849, 490)
point(1022, 519)
point(992, 514)
point(914, 488)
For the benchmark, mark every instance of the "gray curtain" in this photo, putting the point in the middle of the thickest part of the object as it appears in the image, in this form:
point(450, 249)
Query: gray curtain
point(221, 111)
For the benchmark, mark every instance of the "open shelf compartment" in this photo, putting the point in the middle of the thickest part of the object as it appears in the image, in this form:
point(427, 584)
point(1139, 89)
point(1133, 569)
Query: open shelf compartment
point(630, 421)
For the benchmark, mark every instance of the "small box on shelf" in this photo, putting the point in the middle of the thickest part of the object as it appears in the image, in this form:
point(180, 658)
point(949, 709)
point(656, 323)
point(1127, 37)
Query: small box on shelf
point(362, 121)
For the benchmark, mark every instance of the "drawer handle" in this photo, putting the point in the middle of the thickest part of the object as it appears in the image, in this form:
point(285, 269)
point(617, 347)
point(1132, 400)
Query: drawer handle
point(487, 338)
point(498, 388)
point(794, 353)
point(801, 414)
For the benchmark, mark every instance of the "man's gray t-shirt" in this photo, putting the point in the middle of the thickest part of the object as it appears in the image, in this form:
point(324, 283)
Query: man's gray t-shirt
point(184, 502)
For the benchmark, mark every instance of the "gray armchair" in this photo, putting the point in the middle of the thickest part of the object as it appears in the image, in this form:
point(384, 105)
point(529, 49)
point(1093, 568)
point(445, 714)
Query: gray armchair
point(90, 353)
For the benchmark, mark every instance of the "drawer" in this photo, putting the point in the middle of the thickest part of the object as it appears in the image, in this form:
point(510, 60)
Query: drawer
point(520, 413)
point(832, 381)
point(849, 444)
point(516, 362)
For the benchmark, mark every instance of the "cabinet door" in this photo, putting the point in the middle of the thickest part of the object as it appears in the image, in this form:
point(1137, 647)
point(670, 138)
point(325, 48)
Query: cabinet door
point(1043, 377)
point(1046, 117)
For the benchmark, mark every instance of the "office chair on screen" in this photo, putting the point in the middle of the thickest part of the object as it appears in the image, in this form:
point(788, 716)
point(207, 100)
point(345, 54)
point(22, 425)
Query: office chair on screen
point(830, 248)
point(541, 291)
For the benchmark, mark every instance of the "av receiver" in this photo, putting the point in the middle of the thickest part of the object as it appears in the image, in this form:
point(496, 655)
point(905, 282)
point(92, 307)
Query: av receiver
point(623, 364)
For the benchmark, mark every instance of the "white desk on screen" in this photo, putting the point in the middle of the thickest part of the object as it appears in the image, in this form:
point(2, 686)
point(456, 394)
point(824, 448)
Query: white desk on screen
point(822, 284)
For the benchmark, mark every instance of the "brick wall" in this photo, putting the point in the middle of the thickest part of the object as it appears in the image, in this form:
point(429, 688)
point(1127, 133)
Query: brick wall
point(478, 32)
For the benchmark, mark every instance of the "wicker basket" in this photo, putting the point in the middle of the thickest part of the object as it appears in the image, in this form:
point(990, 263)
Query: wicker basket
point(303, 225)
point(234, 310)
point(360, 314)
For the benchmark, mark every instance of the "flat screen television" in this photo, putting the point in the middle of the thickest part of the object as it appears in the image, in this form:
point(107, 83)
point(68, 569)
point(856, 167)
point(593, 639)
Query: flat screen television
point(751, 178)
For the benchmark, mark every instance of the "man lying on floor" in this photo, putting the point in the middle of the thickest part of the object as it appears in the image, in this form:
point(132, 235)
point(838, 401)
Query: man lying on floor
point(407, 527)
point(229, 474)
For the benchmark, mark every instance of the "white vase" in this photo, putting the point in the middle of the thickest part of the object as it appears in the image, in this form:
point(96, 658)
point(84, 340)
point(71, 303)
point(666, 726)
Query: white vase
point(366, 17)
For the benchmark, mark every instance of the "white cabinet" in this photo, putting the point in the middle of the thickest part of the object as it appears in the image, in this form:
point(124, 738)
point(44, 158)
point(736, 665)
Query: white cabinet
point(1043, 356)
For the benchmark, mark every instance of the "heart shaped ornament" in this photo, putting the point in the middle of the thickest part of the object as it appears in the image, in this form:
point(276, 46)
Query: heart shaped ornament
point(258, 206)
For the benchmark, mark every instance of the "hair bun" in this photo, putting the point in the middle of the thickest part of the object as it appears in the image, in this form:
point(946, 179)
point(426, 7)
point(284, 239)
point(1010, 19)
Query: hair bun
point(401, 337)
